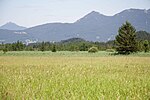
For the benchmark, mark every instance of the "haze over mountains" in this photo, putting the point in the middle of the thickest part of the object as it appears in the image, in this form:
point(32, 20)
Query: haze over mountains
point(92, 27)
point(12, 26)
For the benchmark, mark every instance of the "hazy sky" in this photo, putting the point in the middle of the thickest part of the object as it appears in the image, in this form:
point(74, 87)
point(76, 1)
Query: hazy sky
point(34, 12)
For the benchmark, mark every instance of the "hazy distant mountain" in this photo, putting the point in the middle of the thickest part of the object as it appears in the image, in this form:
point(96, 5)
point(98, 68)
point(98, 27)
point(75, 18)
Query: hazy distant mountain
point(143, 35)
point(12, 26)
point(92, 27)
point(8, 36)
point(72, 40)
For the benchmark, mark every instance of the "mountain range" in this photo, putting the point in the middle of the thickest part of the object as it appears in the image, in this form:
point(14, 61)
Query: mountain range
point(12, 26)
point(92, 27)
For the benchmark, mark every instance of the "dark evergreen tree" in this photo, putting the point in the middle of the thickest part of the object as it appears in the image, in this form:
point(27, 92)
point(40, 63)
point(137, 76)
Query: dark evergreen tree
point(18, 46)
point(5, 49)
point(140, 45)
point(42, 48)
point(54, 48)
point(14, 47)
point(146, 46)
point(126, 39)
point(83, 47)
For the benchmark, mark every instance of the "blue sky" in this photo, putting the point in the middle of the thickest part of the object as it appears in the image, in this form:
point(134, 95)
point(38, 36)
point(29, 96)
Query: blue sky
point(34, 12)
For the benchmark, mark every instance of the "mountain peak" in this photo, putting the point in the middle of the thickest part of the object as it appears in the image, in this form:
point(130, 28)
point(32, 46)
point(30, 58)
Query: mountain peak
point(92, 17)
point(92, 27)
point(10, 23)
point(94, 13)
point(148, 10)
point(132, 11)
point(12, 26)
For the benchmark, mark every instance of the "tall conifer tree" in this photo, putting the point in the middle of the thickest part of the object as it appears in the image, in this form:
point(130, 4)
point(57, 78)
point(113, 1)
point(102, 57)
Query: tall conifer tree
point(126, 39)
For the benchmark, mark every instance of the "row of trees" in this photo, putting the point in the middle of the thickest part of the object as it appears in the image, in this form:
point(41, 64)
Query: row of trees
point(142, 45)
point(59, 46)
point(126, 42)
point(18, 46)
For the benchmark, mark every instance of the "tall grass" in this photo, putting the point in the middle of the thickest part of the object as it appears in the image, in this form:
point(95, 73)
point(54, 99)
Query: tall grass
point(70, 54)
point(74, 77)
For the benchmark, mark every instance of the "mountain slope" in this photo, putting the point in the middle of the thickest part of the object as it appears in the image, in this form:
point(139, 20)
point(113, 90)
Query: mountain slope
point(72, 40)
point(12, 26)
point(8, 36)
point(143, 35)
point(92, 27)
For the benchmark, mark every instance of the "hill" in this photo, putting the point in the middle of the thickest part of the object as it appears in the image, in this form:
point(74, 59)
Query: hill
point(92, 27)
point(12, 26)
point(143, 35)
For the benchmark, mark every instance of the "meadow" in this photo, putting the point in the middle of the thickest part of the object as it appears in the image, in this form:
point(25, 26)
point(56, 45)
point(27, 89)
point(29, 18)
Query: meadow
point(74, 76)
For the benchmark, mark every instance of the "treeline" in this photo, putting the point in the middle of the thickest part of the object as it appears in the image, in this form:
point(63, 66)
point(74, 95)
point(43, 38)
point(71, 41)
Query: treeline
point(18, 46)
point(143, 40)
point(74, 44)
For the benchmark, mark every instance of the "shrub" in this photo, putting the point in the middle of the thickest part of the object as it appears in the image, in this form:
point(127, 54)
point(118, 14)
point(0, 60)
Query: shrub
point(93, 50)
point(146, 46)
point(5, 50)
point(110, 50)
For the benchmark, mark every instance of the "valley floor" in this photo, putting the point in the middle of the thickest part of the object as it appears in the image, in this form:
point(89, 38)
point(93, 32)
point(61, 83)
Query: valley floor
point(74, 75)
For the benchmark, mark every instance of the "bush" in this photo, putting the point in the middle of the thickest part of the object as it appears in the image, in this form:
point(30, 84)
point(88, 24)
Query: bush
point(5, 50)
point(93, 50)
point(110, 50)
point(146, 46)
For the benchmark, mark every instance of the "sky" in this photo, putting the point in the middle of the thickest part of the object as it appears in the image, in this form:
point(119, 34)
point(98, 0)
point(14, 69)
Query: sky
point(30, 13)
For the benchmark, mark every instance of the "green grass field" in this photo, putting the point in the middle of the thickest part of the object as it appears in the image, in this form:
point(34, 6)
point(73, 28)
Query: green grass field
point(74, 76)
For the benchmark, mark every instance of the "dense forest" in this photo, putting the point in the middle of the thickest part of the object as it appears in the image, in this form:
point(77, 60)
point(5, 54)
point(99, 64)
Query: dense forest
point(73, 44)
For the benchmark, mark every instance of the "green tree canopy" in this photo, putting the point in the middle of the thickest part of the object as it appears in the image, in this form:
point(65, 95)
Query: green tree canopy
point(42, 48)
point(54, 48)
point(146, 46)
point(126, 39)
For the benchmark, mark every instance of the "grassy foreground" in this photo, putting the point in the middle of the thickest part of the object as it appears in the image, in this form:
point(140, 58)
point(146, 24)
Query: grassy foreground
point(74, 75)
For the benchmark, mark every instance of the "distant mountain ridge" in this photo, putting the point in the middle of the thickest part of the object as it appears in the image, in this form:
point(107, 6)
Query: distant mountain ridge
point(73, 40)
point(142, 35)
point(92, 27)
point(12, 26)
